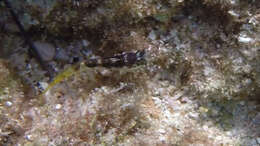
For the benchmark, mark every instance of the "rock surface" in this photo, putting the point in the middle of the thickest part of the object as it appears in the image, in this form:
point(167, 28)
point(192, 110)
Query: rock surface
point(46, 50)
point(200, 84)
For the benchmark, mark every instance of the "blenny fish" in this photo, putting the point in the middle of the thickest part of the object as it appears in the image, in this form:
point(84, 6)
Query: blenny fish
point(119, 60)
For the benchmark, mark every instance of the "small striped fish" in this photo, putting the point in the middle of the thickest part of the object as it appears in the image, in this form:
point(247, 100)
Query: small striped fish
point(118, 60)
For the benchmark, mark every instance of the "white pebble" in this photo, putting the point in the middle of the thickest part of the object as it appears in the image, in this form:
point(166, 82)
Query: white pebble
point(244, 39)
point(28, 137)
point(8, 103)
point(58, 106)
point(233, 13)
point(194, 115)
point(229, 133)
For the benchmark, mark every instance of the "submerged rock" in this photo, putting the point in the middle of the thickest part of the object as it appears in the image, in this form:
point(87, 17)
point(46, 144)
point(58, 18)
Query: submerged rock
point(201, 70)
point(46, 50)
point(62, 55)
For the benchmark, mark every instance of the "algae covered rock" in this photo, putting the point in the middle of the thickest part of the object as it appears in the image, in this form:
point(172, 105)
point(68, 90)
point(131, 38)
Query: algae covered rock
point(199, 84)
